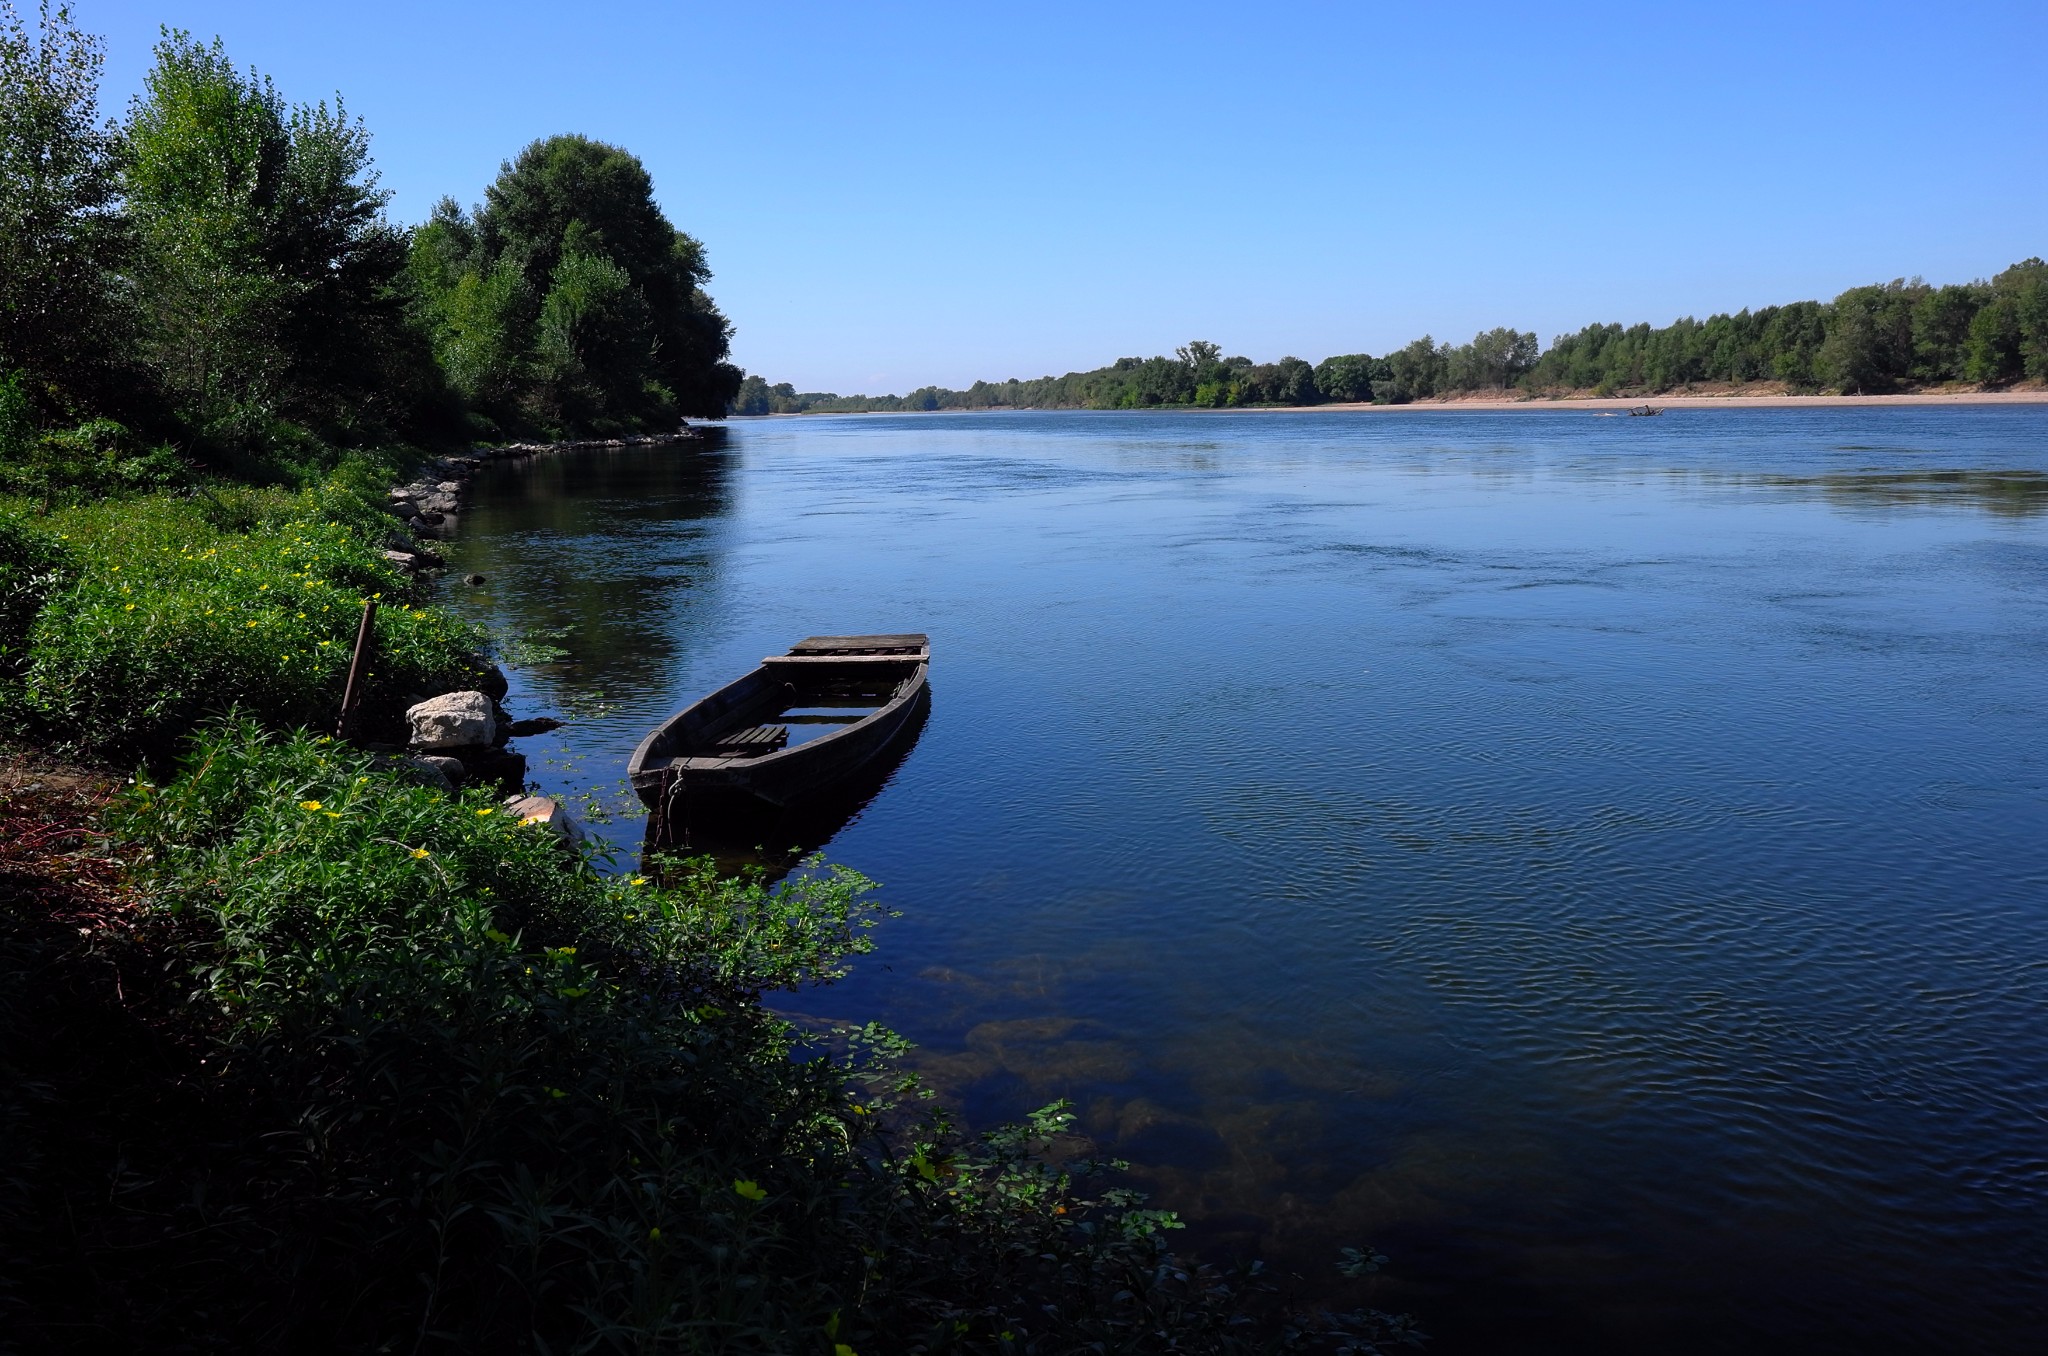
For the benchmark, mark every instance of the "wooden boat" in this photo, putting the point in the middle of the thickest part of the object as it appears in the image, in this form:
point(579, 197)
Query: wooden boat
point(850, 697)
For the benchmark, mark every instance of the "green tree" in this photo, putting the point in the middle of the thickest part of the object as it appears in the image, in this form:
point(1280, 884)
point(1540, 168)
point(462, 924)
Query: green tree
point(1869, 346)
point(207, 153)
point(1298, 383)
point(594, 347)
point(59, 233)
point(2026, 284)
point(1995, 335)
point(1416, 372)
point(1495, 360)
point(752, 397)
point(1346, 376)
point(267, 291)
point(1941, 331)
point(571, 196)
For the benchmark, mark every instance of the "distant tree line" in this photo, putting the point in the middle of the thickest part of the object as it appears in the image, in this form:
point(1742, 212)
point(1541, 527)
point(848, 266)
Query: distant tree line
point(1888, 337)
point(216, 272)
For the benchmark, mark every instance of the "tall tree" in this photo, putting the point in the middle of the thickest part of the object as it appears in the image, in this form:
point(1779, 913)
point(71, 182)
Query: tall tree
point(59, 233)
point(1346, 376)
point(578, 216)
point(267, 273)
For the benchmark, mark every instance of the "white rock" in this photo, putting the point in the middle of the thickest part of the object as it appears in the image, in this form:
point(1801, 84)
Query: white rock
point(548, 814)
point(452, 721)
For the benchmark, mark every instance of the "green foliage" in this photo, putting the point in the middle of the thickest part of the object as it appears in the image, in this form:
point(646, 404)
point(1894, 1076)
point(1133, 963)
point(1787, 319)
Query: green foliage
point(1347, 376)
point(33, 565)
point(176, 608)
point(1495, 360)
point(1415, 373)
point(569, 302)
point(95, 459)
point(269, 294)
point(595, 347)
point(59, 235)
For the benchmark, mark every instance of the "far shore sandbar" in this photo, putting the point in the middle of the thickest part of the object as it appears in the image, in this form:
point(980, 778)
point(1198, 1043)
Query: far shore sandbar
point(1704, 402)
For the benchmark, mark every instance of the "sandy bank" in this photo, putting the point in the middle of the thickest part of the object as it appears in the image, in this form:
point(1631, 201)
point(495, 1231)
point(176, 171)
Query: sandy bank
point(1713, 402)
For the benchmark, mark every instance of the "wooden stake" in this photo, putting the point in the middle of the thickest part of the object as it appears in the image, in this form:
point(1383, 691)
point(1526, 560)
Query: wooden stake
point(365, 635)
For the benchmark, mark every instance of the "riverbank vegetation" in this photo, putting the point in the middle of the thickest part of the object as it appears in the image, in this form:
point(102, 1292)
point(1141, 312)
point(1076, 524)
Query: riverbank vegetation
point(1870, 340)
point(299, 1054)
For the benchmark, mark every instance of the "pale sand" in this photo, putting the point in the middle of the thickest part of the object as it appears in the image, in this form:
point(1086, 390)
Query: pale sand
point(1729, 402)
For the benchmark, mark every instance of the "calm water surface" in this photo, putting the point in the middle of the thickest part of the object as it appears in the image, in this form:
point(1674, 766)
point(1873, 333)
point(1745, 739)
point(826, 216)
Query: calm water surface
point(1603, 862)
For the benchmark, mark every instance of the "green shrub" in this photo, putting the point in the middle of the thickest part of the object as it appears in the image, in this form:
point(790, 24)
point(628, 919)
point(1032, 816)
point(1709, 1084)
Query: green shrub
point(249, 600)
point(33, 564)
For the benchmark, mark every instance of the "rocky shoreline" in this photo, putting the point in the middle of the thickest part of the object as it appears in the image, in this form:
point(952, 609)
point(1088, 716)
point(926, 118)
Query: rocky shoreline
point(460, 737)
point(429, 507)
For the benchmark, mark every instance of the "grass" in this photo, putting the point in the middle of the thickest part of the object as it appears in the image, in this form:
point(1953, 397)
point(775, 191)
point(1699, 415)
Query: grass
point(153, 612)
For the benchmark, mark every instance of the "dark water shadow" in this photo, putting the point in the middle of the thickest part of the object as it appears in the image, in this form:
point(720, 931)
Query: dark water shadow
point(746, 835)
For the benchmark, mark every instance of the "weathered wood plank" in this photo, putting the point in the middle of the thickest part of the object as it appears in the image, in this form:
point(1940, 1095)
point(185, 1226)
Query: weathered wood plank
point(823, 644)
point(918, 658)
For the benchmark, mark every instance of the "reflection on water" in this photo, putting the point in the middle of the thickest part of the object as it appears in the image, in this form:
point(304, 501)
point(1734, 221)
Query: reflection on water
point(1602, 862)
point(2016, 493)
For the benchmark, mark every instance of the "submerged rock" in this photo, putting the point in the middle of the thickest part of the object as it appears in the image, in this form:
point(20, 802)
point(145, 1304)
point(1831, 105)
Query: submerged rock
point(484, 763)
point(450, 770)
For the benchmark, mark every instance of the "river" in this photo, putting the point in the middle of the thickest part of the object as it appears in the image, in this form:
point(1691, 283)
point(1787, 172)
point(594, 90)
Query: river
point(1602, 862)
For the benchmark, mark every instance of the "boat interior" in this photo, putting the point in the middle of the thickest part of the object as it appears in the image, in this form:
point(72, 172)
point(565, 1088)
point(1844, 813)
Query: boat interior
point(823, 685)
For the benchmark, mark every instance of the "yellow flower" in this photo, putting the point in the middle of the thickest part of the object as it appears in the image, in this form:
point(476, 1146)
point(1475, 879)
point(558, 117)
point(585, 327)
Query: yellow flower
point(309, 805)
point(418, 853)
point(129, 608)
point(753, 1191)
point(486, 810)
point(638, 880)
point(333, 814)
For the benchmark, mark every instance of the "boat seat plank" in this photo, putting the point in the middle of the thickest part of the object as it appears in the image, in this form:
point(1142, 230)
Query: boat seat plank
point(760, 739)
point(805, 659)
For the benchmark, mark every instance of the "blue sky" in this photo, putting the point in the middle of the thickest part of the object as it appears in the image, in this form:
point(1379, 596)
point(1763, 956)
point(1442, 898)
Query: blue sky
point(895, 194)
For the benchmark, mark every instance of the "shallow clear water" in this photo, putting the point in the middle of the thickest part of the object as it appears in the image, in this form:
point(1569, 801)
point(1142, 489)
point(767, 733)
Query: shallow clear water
point(1603, 862)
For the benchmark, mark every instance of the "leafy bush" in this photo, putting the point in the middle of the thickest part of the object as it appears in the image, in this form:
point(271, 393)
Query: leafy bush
point(445, 1087)
point(32, 566)
point(179, 608)
point(97, 458)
